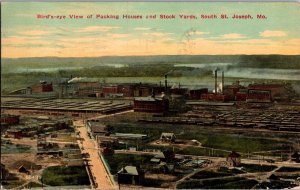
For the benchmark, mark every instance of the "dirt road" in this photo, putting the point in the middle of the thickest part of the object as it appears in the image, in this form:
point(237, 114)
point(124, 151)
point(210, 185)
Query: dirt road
point(88, 145)
point(99, 173)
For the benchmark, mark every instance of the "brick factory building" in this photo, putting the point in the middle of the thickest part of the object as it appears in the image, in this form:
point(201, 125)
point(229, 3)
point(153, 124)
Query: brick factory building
point(82, 87)
point(196, 94)
point(214, 97)
point(262, 96)
point(277, 91)
point(10, 119)
point(107, 90)
point(42, 87)
point(126, 90)
point(151, 104)
point(241, 96)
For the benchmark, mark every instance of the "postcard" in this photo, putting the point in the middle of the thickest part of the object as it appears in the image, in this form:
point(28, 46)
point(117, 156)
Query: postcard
point(144, 95)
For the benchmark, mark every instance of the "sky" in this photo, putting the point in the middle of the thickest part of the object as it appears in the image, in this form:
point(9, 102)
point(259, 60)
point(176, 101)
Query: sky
point(23, 35)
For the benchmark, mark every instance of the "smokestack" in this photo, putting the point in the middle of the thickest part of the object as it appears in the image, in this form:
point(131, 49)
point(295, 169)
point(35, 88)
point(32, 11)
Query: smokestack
point(222, 82)
point(166, 83)
point(216, 81)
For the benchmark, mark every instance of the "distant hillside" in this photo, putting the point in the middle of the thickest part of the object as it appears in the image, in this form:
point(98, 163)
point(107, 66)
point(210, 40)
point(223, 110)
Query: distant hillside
point(253, 61)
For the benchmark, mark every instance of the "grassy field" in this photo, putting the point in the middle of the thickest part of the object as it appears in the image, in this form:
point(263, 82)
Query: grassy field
point(209, 174)
point(11, 184)
point(15, 148)
point(228, 183)
point(257, 168)
point(288, 169)
point(65, 176)
point(210, 138)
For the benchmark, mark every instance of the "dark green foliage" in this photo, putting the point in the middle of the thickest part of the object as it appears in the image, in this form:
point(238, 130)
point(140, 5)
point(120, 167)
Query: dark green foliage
point(152, 182)
point(209, 174)
point(288, 169)
point(225, 183)
point(33, 184)
point(257, 168)
point(65, 176)
point(11, 184)
point(275, 184)
point(230, 171)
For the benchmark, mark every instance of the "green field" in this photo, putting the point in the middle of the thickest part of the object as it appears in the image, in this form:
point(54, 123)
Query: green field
point(11, 184)
point(225, 183)
point(209, 138)
point(65, 176)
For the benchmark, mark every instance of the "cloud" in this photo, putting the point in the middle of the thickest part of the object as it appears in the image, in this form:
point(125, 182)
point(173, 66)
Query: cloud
point(24, 15)
point(36, 32)
point(200, 33)
point(272, 33)
point(157, 34)
point(125, 44)
point(118, 35)
point(23, 40)
point(232, 36)
point(97, 29)
point(142, 28)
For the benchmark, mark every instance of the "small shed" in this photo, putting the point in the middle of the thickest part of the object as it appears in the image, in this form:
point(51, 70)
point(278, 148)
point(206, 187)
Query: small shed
point(168, 137)
point(234, 159)
point(165, 156)
point(131, 175)
point(22, 169)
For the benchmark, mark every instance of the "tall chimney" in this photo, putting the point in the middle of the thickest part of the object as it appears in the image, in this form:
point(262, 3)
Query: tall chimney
point(222, 82)
point(216, 81)
point(166, 83)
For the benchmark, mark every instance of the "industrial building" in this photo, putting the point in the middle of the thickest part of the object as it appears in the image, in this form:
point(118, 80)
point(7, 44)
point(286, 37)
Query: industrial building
point(42, 87)
point(130, 90)
point(151, 104)
point(79, 87)
point(254, 93)
point(196, 93)
point(9, 119)
point(258, 96)
point(67, 107)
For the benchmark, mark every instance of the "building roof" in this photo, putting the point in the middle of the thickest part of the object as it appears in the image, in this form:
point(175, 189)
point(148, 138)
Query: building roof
point(155, 160)
point(129, 135)
point(99, 128)
point(210, 103)
point(132, 170)
point(234, 154)
point(148, 99)
point(167, 134)
point(160, 155)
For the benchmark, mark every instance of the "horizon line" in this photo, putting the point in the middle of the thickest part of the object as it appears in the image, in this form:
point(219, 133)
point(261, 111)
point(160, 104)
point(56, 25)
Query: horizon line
point(153, 55)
